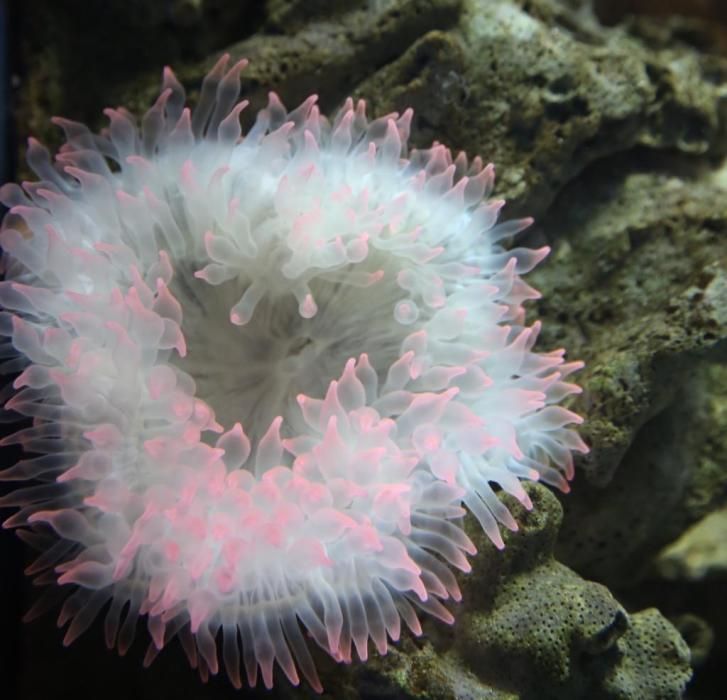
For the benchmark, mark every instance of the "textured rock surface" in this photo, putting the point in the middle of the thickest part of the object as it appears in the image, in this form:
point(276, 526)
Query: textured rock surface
point(544, 90)
point(532, 629)
point(610, 136)
point(535, 627)
point(649, 312)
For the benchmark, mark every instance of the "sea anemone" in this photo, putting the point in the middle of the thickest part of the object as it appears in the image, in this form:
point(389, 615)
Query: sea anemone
point(262, 374)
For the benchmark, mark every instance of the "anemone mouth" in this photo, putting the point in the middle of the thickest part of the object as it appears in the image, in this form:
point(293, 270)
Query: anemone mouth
point(254, 372)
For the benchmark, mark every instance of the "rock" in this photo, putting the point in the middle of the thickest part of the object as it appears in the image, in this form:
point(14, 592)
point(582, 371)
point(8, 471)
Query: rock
point(649, 313)
point(698, 634)
point(536, 628)
point(543, 89)
point(532, 629)
point(700, 552)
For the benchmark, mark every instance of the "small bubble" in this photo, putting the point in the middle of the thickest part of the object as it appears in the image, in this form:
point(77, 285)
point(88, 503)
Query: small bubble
point(406, 312)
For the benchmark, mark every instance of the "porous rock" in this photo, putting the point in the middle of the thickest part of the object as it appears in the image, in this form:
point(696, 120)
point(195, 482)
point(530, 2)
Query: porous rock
point(535, 627)
point(530, 628)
